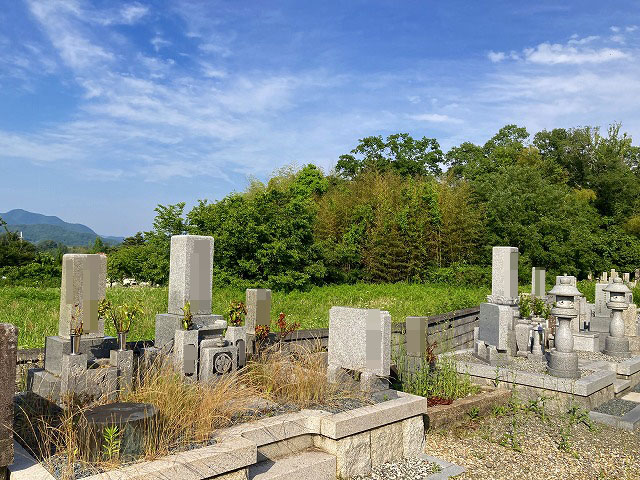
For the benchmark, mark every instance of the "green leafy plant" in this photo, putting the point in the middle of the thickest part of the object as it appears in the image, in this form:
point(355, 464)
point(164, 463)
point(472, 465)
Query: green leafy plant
point(187, 316)
point(121, 316)
point(474, 413)
point(525, 306)
point(237, 313)
point(540, 308)
point(262, 334)
point(440, 383)
point(510, 438)
point(111, 443)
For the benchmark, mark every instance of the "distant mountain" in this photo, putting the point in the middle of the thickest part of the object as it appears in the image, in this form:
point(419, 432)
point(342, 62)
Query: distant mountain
point(36, 227)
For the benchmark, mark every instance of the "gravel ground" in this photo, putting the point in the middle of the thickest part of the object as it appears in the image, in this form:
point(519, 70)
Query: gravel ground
point(617, 407)
point(522, 364)
point(598, 356)
point(408, 469)
point(605, 453)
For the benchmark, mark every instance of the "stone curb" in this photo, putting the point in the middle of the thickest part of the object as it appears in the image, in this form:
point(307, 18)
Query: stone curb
point(630, 421)
point(448, 469)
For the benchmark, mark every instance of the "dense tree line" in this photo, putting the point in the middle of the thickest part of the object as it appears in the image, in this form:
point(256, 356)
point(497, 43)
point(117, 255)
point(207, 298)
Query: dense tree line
point(399, 209)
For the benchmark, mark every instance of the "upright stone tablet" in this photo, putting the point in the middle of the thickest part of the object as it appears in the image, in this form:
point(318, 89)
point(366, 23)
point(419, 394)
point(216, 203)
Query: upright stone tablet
point(360, 340)
point(258, 303)
point(416, 335)
point(190, 274)
point(538, 279)
point(504, 276)
point(8, 352)
point(84, 281)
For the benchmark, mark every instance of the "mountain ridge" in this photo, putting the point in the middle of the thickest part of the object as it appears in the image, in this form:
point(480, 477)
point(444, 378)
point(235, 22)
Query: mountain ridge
point(37, 227)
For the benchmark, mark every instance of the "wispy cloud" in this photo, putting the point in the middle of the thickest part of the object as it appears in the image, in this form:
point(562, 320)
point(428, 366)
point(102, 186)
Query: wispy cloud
point(434, 118)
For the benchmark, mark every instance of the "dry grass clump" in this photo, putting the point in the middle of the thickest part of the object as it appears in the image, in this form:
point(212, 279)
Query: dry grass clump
point(298, 377)
point(188, 412)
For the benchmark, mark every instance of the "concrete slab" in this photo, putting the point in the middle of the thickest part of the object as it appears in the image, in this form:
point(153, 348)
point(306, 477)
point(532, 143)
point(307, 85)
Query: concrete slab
point(632, 397)
point(310, 465)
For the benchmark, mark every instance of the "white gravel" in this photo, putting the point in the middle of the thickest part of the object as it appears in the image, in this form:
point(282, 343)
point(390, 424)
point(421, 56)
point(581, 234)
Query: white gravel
point(408, 469)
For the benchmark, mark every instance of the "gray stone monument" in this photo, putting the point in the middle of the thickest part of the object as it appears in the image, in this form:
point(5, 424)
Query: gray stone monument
point(496, 332)
point(258, 302)
point(626, 278)
point(360, 340)
point(616, 344)
point(538, 282)
point(504, 276)
point(84, 281)
point(8, 355)
point(190, 281)
point(563, 361)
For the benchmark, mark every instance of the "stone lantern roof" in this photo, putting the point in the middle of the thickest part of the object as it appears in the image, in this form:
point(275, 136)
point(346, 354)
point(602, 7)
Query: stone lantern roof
point(564, 289)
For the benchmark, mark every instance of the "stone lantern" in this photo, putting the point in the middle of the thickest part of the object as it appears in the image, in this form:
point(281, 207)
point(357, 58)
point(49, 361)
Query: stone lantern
point(616, 344)
point(563, 361)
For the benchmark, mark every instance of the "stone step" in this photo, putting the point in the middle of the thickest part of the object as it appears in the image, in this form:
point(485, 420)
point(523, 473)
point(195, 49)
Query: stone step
point(619, 386)
point(310, 465)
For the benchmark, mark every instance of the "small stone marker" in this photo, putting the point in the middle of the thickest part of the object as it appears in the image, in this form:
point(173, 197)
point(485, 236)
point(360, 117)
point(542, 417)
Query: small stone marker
point(190, 274)
point(626, 277)
point(538, 279)
point(8, 356)
point(614, 275)
point(495, 323)
point(84, 281)
point(504, 276)
point(601, 301)
point(416, 336)
point(258, 303)
point(360, 340)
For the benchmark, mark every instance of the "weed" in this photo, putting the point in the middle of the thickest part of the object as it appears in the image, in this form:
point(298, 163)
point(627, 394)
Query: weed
point(510, 438)
point(111, 443)
point(442, 382)
point(474, 413)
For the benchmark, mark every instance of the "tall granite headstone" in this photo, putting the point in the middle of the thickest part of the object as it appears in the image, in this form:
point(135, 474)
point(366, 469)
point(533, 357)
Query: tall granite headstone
point(84, 281)
point(190, 274)
point(504, 276)
point(538, 282)
point(8, 352)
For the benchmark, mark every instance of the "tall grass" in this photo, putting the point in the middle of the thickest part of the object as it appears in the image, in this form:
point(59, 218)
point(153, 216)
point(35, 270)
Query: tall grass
point(35, 310)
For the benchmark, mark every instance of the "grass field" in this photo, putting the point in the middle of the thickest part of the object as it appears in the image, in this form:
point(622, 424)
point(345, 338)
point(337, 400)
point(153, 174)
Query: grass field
point(35, 310)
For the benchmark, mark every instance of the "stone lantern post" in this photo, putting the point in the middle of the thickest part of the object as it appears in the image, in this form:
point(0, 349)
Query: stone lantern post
point(563, 361)
point(616, 344)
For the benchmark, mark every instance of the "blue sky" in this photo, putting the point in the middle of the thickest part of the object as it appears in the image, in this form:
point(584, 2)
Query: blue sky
point(108, 108)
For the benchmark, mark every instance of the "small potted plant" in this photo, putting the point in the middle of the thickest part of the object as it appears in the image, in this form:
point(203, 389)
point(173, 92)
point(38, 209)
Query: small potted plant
point(236, 330)
point(76, 329)
point(122, 317)
point(187, 317)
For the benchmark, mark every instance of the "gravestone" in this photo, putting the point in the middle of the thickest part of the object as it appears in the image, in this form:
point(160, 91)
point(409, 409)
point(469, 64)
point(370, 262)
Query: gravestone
point(258, 303)
point(504, 276)
point(416, 336)
point(8, 355)
point(626, 277)
point(190, 281)
point(496, 321)
point(360, 340)
point(538, 282)
point(604, 278)
point(190, 274)
point(84, 282)
point(613, 275)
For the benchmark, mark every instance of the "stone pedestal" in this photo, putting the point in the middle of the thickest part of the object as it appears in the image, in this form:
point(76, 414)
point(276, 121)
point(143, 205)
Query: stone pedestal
point(216, 361)
point(563, 364)
point(73, 375)
point(167, 324)
point(237, 336)
point(185, 353)
point(123, 361)
point(56, 347)
point(616, 344)
point(617, 347)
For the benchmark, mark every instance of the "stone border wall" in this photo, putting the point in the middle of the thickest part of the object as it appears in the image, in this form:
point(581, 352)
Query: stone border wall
point(358, 439)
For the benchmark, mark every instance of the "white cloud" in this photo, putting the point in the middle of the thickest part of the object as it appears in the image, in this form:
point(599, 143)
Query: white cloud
point(576, 40)
point(631, 28)
point(158, 42)
point(132, 13)
point(496, 57)
point(615, 29)
point(434, 118)
point(553, 54)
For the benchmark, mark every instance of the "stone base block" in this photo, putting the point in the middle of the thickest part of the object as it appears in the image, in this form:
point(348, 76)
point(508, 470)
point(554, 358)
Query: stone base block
point(353, 453)
point(600, 324)
point(371, 382)
point(237, 336)
point(563, 365)
point(73, 376)
point(522, 334)
point(216, 361)
point(586, 342)
point(56, 347)
point(185, 352)
point(386, 444)
point(168, 323)
point(413, 436)
point(617, 347)
point(123, 361)
point(44, 383)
